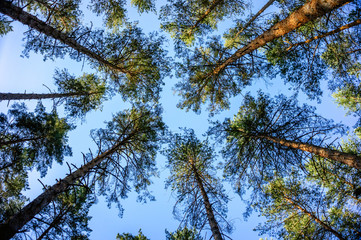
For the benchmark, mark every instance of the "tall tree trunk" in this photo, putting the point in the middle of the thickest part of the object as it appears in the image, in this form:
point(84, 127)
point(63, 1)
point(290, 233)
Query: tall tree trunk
point(308, 12)
point(31, 96)
point(18, 221)
point(315, 218)
point(210, 215)
point(33, 22)
point(347, 158)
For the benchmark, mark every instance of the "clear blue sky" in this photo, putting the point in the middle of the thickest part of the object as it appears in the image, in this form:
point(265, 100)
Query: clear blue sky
point(18, 74)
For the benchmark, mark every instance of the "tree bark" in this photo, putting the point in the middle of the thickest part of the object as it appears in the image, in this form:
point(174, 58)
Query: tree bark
point(351, 160)
point(15, 223)
point(308, 12)
point(315, 218)
point(31, 96)
point(33, 22)
point(210, 215)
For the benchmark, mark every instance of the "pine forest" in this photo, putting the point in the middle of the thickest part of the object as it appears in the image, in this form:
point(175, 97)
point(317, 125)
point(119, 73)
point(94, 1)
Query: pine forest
point(180, 119)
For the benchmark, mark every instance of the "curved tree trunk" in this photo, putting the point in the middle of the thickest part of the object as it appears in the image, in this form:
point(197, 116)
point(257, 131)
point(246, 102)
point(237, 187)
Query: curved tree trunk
point(210, 215)
point(15, 223)
point(31, 96)
point(347, 158)
point(315, 218)
point(33, 22)
point(308, 12)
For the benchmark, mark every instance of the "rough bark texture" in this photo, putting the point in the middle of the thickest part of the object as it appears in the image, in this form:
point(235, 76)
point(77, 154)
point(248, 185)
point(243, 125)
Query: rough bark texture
point(33, 22)
point(30, 96)
point(347, 158)
point(308, 12)
point(314, 217)
point(18, 221)
point(210, 215)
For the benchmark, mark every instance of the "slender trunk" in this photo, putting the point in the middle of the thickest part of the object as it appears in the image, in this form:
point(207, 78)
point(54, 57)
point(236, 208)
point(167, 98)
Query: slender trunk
point(54, 223)
point(33, 22)
point(351, 160)
point(18, 221)
point(210, 215)
point(31, 96)
point(308, 12)
point(315, 218)
point(344, 27)
point(214, 4)
point(269, 3)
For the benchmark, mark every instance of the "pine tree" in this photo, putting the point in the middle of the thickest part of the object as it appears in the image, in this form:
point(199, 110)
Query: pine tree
point(193, 179)
point(215, 74)
point(127, 148)
point(79, 95)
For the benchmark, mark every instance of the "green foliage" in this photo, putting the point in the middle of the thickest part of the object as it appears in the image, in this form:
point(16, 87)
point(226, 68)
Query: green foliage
point(128, 236)
point(183, 234)
point(86, 93)
point(140, 131)
point(290, 200)
point(144, 5)
point(66, 218)
point(190, 160)
point(30, 140)
point(5, 26)
point(250, 156)
point(62, 14)
point(136, 63)
point(185, 20)
point(113, 11)
point(201, 85)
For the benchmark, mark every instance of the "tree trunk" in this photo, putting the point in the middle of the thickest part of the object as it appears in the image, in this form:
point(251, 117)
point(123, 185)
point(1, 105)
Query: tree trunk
point(351, 160)
point(31, 96)
point(210, 215)
point(314, 217)
point(308, 12)
point(18, 221)
point(33, 22)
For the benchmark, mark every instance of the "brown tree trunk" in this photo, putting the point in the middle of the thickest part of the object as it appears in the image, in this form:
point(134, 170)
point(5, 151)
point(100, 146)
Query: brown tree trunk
point(210, 215)
point(15, 223)
point(344, 27)
point(314, 217)
point(31, 96)
point(347, 158)
point(33, 22)
point(308, 12)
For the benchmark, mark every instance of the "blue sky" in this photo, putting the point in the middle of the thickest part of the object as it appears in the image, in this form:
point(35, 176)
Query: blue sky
point(18, 74)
